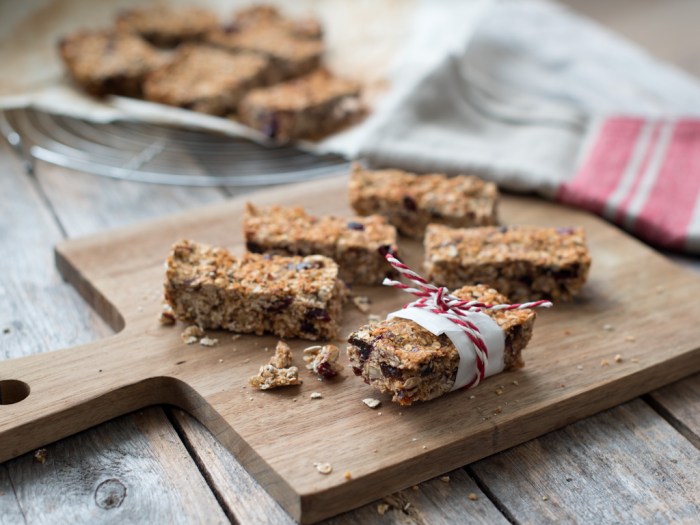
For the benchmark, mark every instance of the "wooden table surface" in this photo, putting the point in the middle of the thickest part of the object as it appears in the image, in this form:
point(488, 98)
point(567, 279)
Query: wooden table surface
point(639, 462)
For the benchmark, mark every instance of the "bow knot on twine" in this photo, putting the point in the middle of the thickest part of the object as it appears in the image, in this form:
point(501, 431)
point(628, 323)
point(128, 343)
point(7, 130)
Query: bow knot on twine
point(438, 300)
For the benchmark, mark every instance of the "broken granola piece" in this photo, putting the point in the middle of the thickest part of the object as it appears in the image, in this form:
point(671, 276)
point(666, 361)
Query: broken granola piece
point(167, 317)
point(323, 360)
point(192, 334)
point(525, 263)
point(401, 357)
point(261, 16)
point(411, 202)
point(283, 355)
point(287, 296)
point(270, 376)
point(357, 244)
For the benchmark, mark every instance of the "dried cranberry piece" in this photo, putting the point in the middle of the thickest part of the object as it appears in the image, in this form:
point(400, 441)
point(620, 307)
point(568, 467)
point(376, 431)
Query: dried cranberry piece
point(280, 305)
point(364, 347)
point(270, 126)
point(230, 28)
point(426, 370)
point(386, 248)
point(390, 371)
point(253, 247)
point(357, 371)
point(409, 203)
point(356, 226)
point(325, 370)
point(318, 313)
point(307, 328)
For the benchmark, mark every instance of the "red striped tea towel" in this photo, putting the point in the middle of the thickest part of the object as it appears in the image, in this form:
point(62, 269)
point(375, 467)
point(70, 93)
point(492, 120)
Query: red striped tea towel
point(643, 175)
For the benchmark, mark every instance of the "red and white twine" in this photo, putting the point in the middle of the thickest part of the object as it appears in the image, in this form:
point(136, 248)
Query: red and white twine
point(438, 300)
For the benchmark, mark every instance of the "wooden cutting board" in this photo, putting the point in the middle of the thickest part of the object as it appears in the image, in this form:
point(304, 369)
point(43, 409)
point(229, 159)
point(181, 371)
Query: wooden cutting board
point(637, 305)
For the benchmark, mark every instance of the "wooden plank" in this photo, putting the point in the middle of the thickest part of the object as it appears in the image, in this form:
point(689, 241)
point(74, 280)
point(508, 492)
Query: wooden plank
point(132, 470)
point(10, 510)
point(625, 464)
point(552, 390)
point(679, 404)
point(436, 501)
point(43, 313)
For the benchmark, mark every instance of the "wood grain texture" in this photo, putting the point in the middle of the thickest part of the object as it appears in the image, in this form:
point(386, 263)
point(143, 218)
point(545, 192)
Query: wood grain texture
point(623, 465)
point(40, 312)
point(132, 470)
point(552, 391)
point(679, 403)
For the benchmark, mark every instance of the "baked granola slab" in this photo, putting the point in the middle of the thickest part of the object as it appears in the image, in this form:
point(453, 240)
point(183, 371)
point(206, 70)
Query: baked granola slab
point(308, 107)
point(167, 26)
point(526, 263)
point(289, 55)
point(206, 79)
point(109, 63)
point(269, 15)
point(357, 244)
point(401, 357)
point(411, 202)
point(287, 296)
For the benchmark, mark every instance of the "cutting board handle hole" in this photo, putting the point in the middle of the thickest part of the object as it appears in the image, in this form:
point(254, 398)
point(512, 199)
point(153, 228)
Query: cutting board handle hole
point(13, 391)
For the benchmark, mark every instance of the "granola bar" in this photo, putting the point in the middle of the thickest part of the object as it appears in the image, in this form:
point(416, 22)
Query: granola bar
point(289, 56)
point(109, 63)
point(357, 244)
point(167, 26)
point(401, 357)
point(268, 15)
point(287, 296)
point(524, 262)
point(307, 107)
point(205, 79)
point(411, 202)
point(278, 372)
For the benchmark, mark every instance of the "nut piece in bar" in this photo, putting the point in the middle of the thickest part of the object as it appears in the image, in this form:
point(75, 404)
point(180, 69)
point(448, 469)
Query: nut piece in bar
point(323, 360)
point(357, 244)
point(401, 357)
point(109, 63)
point(526, 263)
point(167, 26)
point(289, 56)
point(411, 202)
point(268, 15)
point(279, 372)
point(205, 79)
point(309, 107)
point(287, 296)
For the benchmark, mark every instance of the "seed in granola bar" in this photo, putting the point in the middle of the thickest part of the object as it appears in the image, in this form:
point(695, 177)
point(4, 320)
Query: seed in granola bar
point(371, 402)
point(324, 468)
point(318, 313)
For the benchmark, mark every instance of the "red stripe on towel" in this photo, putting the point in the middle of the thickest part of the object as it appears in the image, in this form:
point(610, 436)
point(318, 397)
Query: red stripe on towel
point(621, 212)
point(600, 173)
point(665, 217)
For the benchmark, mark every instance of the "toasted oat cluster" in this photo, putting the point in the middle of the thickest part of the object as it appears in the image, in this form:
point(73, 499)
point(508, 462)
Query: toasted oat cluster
point(287, 296)
point(524, 262)
point(323, 360)
point(357, 244)
point(278, 372)
point(308, 107)
point(167, 26)
point(109, 63)
point(400, 357)
point(206, 79)
point(411, 202)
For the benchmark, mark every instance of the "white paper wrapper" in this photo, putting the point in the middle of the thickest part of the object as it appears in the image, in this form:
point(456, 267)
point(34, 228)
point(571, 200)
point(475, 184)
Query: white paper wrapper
point(491, 333)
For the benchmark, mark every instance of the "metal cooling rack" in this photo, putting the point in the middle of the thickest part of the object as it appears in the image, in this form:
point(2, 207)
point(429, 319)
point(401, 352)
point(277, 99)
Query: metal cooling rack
point(157, 153)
